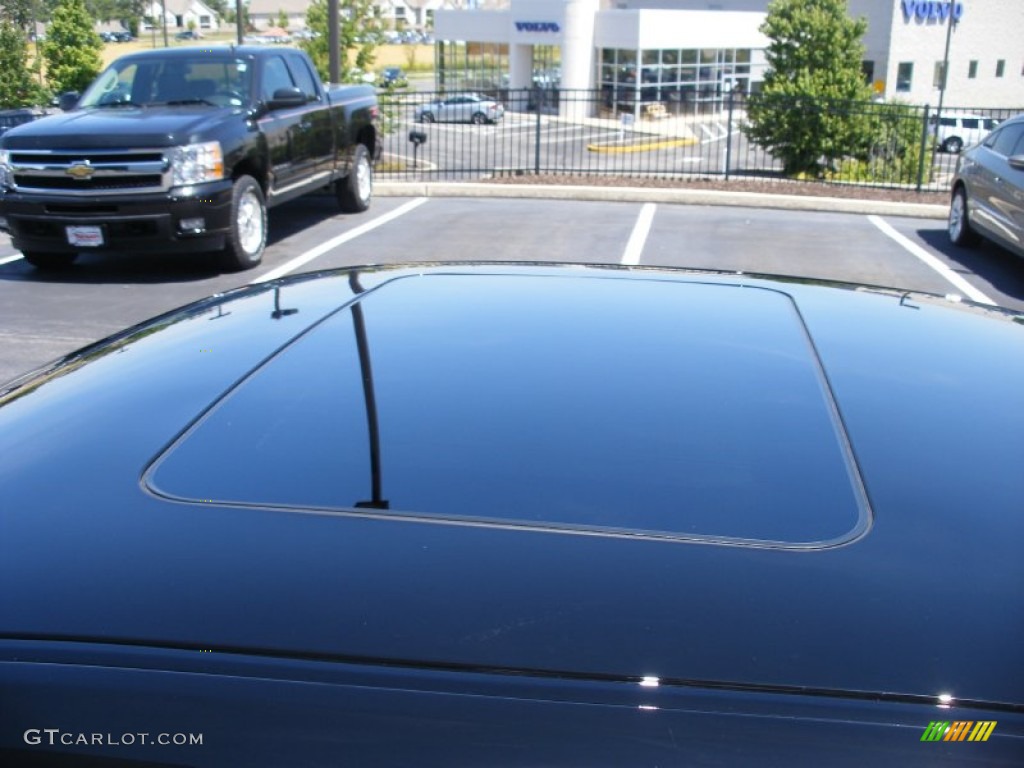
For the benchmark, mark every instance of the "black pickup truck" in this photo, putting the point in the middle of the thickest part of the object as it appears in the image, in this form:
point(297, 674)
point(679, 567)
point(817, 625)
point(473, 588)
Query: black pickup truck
point(183, 150)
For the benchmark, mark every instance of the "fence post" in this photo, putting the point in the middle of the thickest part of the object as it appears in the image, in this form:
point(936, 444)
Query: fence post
point(536, 138)
point(728, 135)
point(924, 149)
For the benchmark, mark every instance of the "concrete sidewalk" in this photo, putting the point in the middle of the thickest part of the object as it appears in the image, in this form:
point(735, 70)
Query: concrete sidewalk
point(681, 196)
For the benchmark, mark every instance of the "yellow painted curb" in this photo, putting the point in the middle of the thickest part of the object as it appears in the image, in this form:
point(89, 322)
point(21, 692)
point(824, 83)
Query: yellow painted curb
point(665, 144)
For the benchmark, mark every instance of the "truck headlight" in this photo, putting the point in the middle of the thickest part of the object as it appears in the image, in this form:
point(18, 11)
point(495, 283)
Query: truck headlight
point(6, 177)
point(196, 163)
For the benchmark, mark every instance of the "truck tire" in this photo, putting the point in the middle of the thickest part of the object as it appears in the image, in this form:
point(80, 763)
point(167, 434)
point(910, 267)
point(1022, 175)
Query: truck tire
point(355, 190)
point(248, 234)
point(49, 261)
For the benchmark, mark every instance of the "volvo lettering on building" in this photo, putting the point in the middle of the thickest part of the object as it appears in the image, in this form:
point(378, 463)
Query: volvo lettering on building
point(537, 26)
point(932, 10)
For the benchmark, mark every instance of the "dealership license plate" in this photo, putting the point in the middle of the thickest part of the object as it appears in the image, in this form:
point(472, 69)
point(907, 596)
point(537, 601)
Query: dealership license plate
point(85, 237)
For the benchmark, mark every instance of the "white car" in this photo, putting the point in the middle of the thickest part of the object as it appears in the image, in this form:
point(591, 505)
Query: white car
point(954, 132)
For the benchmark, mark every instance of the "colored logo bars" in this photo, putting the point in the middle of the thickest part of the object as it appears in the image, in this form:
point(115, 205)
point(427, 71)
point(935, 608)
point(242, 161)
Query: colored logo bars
point(959, 730)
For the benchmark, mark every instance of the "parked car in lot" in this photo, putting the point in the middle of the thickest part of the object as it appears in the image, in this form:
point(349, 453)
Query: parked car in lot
point(988, 190)
point(187, 34)
point(461, 108)
point(392, 77)
point(184, 149)
point(507, 515)
point(954, 132)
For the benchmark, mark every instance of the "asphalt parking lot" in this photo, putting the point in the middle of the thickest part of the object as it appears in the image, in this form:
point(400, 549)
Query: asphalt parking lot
point(43, 316)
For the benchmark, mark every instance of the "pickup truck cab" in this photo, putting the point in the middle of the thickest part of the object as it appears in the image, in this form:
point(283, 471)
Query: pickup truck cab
point(184, 150)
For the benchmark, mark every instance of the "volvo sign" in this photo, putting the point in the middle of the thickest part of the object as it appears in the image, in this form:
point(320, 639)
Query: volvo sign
point(537, 26)
point(932, 10)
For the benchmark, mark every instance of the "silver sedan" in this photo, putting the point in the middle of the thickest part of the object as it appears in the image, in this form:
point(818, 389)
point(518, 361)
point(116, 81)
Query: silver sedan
point(461, 108)
point(988, 190)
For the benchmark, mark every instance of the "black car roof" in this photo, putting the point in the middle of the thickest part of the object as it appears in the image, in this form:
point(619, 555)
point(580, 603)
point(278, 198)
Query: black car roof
point(110, 536)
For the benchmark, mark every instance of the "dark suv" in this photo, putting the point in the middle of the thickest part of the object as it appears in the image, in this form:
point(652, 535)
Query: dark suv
point(488, 515)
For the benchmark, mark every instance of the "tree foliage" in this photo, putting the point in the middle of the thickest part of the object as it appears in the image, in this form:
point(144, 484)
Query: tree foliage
point(72, 48)
point(19, 13)
point(359, 31)
point(18, 86)
point(809, 108)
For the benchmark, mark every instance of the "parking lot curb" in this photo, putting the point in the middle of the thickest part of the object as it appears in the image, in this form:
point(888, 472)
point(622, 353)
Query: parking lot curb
point(681, 196)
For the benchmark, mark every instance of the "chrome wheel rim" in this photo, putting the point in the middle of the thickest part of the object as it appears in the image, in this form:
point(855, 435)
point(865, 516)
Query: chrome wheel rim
point(956, 216)
point(363, 178)
point(250, 222)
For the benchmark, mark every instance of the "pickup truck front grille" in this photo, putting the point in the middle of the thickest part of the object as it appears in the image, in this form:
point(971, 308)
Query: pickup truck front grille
point(95, 185)
point(90, 172)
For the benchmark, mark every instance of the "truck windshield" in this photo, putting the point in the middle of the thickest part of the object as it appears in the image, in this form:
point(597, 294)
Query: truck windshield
point(205, 79)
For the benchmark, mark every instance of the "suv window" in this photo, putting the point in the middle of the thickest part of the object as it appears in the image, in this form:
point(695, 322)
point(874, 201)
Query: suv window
point(1008, 139)
point(677, 463)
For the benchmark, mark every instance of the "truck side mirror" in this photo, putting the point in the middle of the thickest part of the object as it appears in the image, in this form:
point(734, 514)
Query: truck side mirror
point(286, 98)
point(67, 101)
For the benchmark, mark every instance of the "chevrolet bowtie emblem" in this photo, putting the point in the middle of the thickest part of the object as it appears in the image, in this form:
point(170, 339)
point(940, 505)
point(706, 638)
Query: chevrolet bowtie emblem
point(81, 171)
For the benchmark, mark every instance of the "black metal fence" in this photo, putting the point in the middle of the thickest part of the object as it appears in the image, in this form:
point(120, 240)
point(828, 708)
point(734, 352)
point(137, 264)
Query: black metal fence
point(9, 118)
point(433, 136)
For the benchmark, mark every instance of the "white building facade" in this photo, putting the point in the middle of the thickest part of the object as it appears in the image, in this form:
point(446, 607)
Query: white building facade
point(684, 51)
point(906, 47)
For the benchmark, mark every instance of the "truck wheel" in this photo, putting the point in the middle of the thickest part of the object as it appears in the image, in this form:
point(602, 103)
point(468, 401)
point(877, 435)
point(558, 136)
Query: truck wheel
point(49, 260)
point(248, 235)
point(356, 189)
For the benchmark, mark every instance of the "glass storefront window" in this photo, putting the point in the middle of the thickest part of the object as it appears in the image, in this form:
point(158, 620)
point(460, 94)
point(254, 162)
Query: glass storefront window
point(681, 80)
point(462, 66)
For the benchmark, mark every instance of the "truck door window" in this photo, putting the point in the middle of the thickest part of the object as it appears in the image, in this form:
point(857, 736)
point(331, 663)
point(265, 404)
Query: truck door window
point(303, 77)
point(275, 75)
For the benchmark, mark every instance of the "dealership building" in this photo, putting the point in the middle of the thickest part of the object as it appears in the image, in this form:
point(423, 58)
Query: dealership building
point(690, 54)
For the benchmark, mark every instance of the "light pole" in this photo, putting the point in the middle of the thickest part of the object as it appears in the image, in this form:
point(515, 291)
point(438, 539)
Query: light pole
point(945, 64)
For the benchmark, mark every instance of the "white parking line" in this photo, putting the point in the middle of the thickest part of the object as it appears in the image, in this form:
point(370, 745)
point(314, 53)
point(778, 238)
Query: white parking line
point(968, 290)
point(635, 246)
point(334, 242)
point(9, 259)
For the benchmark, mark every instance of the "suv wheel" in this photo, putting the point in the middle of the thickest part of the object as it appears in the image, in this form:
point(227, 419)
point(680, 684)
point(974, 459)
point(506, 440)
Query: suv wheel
point(953, 145)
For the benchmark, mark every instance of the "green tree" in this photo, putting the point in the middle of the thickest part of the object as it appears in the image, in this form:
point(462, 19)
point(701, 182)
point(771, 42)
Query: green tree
point(72, 48)
point(18, 87)
point(359, 31)
point(282, 19)
point(811, 103)
point(19, 13)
